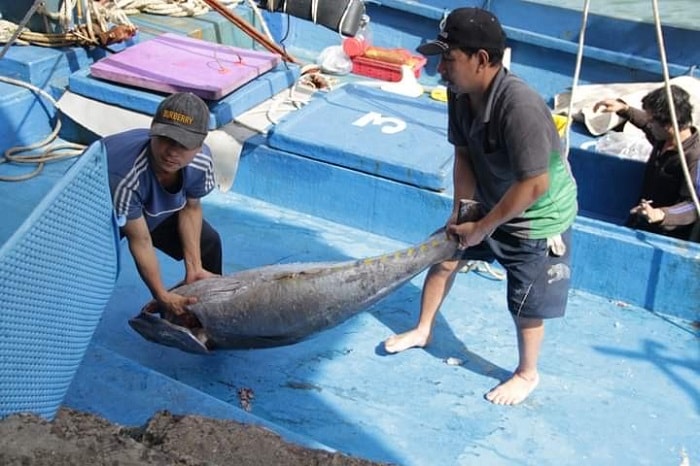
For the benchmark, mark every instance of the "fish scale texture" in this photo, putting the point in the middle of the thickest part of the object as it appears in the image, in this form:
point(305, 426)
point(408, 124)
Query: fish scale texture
point(57, 272)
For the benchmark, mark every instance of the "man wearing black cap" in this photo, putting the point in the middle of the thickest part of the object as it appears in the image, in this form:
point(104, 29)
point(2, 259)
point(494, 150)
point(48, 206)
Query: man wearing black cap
point(157, 178)
point(508, 157)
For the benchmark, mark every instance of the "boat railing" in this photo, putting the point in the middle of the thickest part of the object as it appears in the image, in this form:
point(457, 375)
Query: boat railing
point(608, 56)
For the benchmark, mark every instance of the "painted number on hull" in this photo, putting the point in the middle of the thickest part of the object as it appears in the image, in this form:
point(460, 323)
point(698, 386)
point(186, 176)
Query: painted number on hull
point(390, 125)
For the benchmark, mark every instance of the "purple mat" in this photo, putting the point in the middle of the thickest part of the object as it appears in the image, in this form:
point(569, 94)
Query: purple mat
point(174, 63)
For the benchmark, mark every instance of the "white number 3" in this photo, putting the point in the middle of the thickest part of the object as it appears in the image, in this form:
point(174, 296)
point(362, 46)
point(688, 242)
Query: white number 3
point(390, 125)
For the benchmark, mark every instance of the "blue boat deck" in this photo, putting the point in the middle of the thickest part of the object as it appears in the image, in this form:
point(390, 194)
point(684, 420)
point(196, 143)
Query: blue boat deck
point(620, 384)
point(620, 373)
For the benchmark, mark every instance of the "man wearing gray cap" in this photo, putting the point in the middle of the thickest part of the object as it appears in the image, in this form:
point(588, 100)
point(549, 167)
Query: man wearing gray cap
point(157, 178)
point(508, 157)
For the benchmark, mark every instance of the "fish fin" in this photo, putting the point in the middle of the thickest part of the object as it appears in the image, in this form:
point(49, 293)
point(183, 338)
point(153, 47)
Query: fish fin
point(154, 328)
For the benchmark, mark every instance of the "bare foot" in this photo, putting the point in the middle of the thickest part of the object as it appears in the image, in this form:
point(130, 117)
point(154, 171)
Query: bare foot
point(403, 341)
point(513, 390)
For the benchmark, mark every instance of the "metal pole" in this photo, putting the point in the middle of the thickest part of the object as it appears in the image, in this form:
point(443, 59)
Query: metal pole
point(22, 25)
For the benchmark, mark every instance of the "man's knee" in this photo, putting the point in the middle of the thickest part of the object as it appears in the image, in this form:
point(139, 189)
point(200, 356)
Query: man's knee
point(444, 269)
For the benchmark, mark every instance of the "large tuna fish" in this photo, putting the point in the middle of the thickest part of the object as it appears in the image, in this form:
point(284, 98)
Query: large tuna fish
point(281, 304)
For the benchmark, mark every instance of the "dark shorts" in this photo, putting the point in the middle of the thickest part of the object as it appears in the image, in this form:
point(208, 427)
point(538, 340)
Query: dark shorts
point(166, 237)
point(538, 280)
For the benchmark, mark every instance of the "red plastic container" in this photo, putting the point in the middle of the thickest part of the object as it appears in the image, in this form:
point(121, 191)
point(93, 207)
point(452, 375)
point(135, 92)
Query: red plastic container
point(383, 70)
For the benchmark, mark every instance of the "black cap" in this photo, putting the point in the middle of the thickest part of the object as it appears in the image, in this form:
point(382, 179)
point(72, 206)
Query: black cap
point(182, 117)
point(467, 27)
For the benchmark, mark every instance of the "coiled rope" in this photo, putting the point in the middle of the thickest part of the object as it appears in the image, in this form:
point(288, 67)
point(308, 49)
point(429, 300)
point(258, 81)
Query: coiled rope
point(163, 7)
point(51, 154)
point(115, 12)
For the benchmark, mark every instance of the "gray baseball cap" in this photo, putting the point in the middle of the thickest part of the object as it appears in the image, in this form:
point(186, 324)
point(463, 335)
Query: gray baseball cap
point(182, 117)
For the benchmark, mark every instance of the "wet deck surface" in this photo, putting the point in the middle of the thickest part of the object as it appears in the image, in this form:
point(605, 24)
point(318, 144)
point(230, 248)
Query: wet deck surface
point(619, 385)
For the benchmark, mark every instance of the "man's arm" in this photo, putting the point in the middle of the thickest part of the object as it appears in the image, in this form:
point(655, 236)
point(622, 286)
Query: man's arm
point(463, 178)
point(463, 181)
point(190, 227)
point(514, 202)
point(682, 213)
point(144, 254)
point(635, 116)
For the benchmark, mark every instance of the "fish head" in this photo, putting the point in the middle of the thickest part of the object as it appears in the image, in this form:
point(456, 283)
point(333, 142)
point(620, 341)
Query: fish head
point(158, 330)
point(187, 319)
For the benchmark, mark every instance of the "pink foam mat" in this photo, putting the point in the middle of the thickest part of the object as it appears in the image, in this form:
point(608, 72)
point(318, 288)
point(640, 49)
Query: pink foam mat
point(175, 63)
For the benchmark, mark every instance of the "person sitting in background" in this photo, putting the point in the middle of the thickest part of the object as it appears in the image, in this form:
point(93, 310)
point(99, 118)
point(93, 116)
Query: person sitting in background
point(665, 204)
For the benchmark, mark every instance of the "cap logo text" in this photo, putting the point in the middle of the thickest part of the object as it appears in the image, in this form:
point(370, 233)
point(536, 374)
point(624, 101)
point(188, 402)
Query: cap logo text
point(177, 117)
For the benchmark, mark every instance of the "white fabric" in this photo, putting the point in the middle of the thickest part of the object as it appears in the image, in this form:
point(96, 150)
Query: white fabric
point(599, 123)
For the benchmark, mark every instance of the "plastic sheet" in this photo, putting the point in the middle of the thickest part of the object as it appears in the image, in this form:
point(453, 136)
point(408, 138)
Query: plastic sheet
point(333, 60)
point(624, 145)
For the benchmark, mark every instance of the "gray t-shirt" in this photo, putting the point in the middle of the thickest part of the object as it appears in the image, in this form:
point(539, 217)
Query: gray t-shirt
point(513, 140)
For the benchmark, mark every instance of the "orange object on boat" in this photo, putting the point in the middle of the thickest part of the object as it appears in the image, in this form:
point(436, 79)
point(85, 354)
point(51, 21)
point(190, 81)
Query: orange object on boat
point(386, 71)
point(396, 56)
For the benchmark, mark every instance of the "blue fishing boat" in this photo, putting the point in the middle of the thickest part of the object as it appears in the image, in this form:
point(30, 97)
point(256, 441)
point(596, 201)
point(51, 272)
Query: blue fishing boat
point(332, 167)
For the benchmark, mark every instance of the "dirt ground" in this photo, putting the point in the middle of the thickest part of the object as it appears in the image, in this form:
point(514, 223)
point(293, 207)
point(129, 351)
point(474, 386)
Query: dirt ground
point(77, 438)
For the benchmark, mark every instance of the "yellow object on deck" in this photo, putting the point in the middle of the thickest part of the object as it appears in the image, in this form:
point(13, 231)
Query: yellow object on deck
point(560, 121)
point(439, 94)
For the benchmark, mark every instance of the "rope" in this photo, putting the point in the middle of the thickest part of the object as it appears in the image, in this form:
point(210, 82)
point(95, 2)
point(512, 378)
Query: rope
point(51, 154)
point(314, 11)
point(577, 73)
point(285, 102)
point(344, 17)
point(672, 106)
point(79, 35)
point(263, 24)
point(117, 11)
point(88, 21)
point(178, 8)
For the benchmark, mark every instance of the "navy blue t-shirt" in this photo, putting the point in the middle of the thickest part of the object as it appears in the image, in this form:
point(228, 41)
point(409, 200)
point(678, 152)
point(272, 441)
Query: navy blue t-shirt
point(135, 189)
